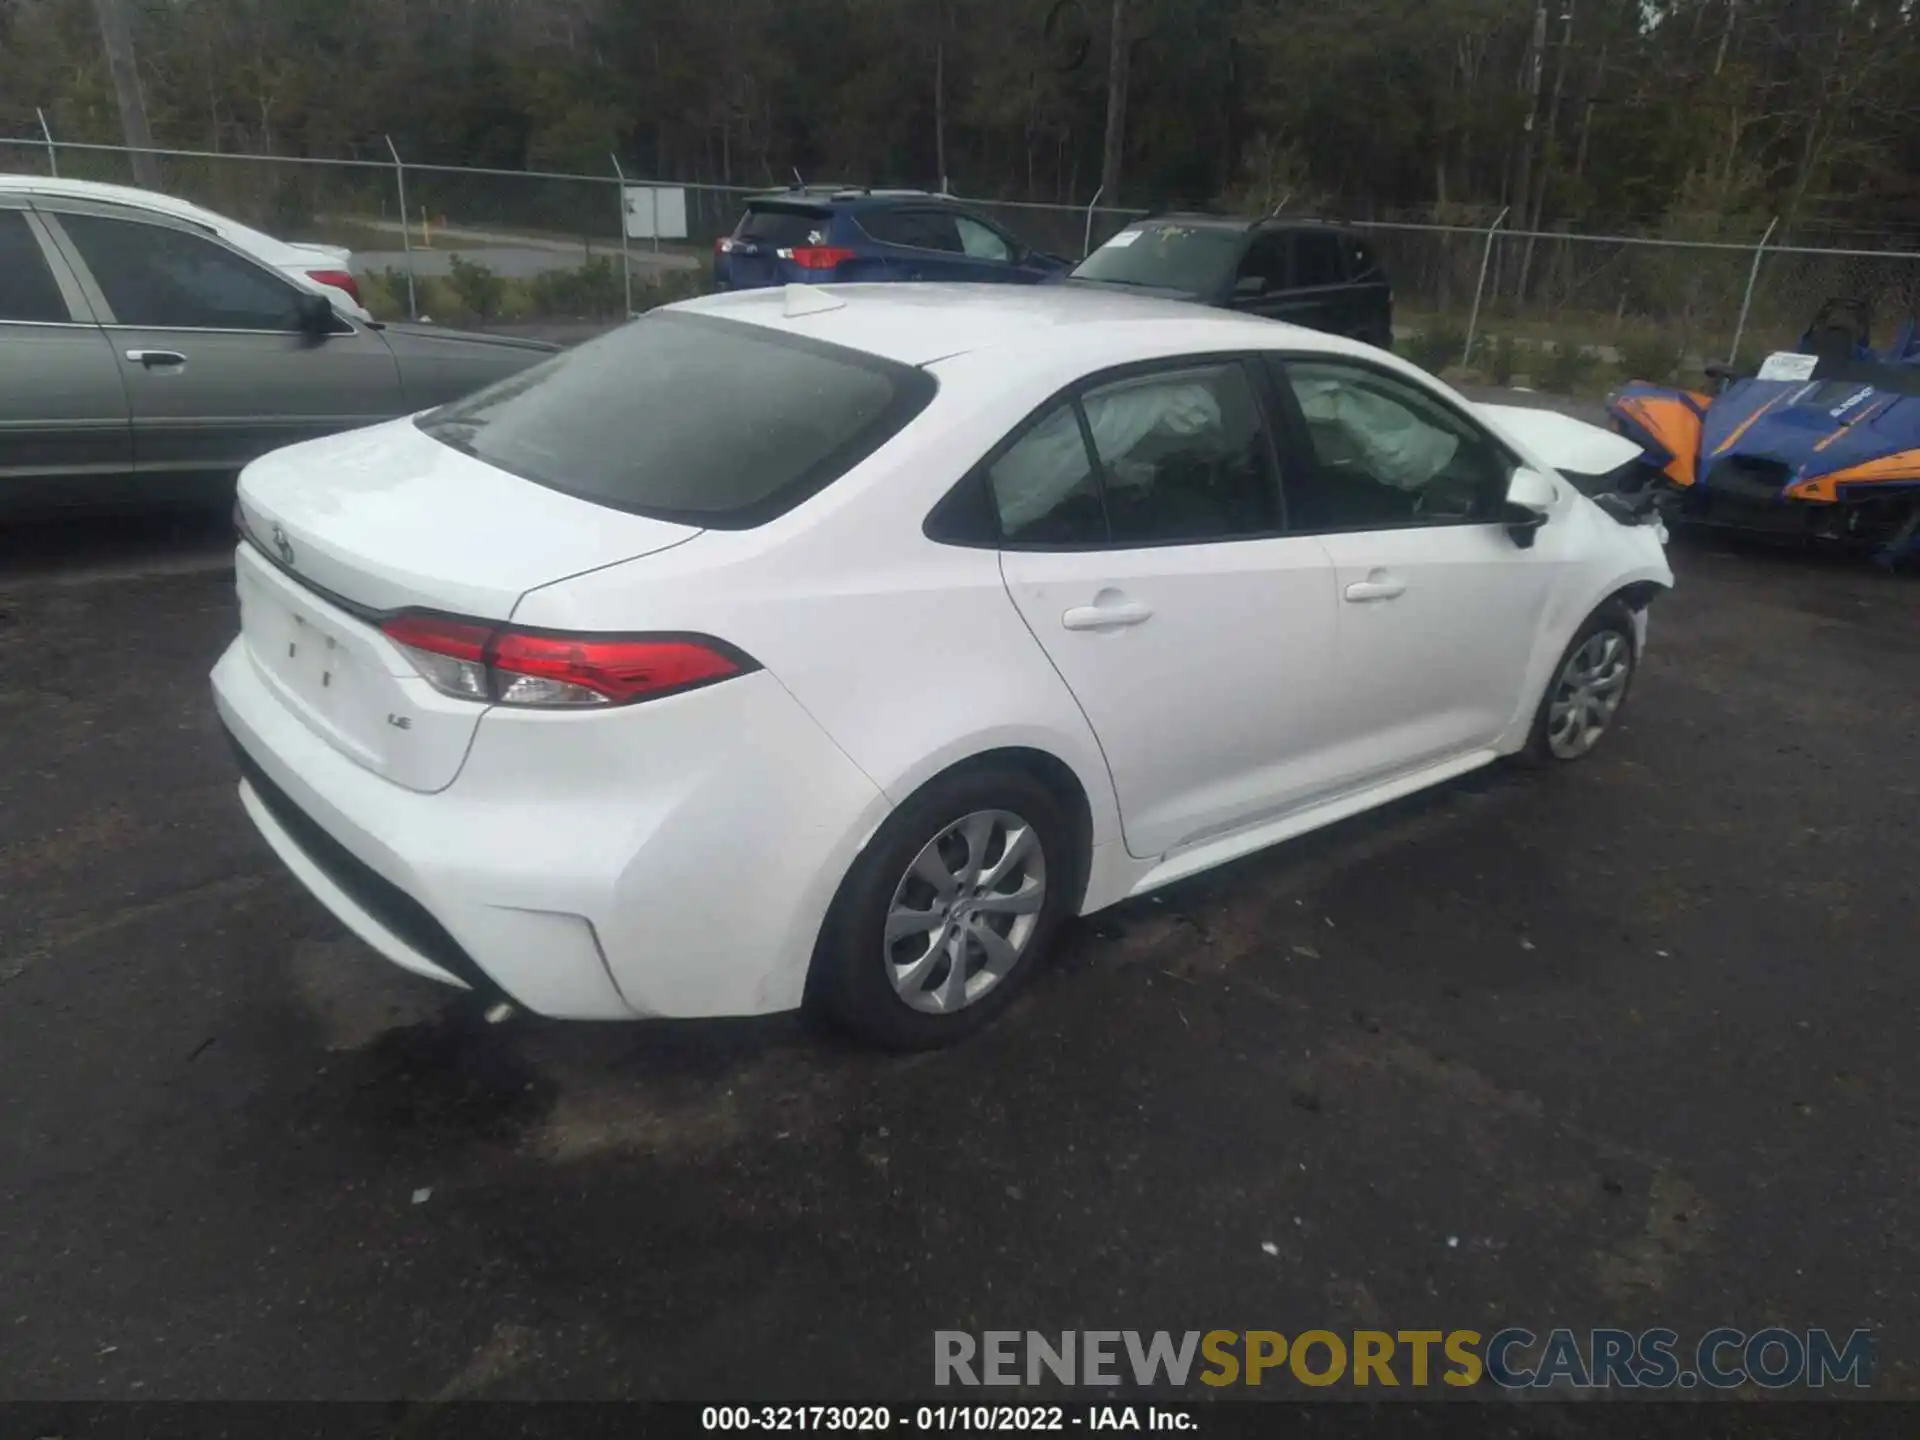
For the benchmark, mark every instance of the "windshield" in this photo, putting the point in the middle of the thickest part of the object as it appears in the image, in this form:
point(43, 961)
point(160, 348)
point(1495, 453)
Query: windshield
point(1197, 259)
point(688, 417)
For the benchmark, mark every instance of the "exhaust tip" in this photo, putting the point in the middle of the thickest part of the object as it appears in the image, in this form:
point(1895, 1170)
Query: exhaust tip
point(500, 1012)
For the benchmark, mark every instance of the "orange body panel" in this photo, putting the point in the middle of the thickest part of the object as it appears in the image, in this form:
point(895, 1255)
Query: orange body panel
point(1903, 465)
point(1674, 425)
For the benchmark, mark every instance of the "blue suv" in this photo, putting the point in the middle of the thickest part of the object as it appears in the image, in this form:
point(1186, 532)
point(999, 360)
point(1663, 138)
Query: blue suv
point(822, 236)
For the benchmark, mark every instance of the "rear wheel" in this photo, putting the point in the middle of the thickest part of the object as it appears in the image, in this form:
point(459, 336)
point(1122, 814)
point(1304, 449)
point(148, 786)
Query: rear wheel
point(947, 911)
point(1587, 690)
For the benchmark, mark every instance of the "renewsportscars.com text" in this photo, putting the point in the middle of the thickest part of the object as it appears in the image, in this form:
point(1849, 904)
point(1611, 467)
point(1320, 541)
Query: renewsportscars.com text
point(1513, 1358)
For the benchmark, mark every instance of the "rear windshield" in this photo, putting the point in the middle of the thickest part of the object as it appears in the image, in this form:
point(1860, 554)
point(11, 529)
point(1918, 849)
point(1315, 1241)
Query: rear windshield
point(783, 225)
point(689, 418)
point(1198, 259)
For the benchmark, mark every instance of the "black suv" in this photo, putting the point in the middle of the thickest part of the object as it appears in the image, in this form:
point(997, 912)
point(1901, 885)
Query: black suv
point(1310, 272)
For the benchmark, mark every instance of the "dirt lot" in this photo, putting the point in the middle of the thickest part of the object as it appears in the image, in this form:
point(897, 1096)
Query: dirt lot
point(1627, 1044)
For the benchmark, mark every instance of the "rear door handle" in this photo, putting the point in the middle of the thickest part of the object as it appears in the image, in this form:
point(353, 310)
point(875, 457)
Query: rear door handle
point(1377, 586)
point(153, 358)
point(1106, 617)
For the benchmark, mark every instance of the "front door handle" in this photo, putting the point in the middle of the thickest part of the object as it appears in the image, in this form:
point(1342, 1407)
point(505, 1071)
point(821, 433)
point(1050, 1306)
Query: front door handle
point(156, 358)
point(1106, 617)
point(1377, 586)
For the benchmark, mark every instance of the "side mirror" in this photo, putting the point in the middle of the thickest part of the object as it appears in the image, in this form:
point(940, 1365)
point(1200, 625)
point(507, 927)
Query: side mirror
point(1248, 286)
point(1530, 496)
point(314, 314)
point(1719, 370)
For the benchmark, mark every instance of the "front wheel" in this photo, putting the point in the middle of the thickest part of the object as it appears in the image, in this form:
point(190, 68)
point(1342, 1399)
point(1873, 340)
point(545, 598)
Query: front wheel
point(947, 912)
point(1587, 690)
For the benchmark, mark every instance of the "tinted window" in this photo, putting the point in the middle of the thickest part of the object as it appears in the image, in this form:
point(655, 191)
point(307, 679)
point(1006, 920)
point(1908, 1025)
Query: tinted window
point(783, 226)
point(27, 288)
point(1316, 259)
point(1198, 259)
point(1264, 267)
point(1184, 455)
point(890, 227)
point(982, 242)
point(160, 278)
point(1362, 263)
point(688, 417)
point(1044, 487)
point(935, 231)
point(920, 229)
point(1388, 455)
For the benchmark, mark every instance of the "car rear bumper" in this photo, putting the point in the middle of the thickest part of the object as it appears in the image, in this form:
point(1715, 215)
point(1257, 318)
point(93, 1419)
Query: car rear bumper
point(672, 859)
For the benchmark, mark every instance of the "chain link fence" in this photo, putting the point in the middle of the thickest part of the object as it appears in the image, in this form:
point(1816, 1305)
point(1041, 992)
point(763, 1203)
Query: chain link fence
point(1581, 312)
point(1557, 309)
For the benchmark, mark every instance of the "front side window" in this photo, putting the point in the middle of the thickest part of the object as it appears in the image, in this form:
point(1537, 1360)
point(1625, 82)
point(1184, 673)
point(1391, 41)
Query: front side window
point(981, 242)
point(1387, 454)
point(160, 278)
point(689, 417)
point(28, 291)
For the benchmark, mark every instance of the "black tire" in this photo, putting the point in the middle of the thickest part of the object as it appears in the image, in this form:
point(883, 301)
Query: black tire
point(849, 984)
point(1612, 617)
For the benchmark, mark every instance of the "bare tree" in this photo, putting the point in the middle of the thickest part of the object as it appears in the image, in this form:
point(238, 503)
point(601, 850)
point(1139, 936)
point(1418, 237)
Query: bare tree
point(117, 37)
point(1117, 56)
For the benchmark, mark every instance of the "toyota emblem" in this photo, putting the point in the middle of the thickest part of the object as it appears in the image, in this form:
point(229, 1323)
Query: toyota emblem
point(283, 545)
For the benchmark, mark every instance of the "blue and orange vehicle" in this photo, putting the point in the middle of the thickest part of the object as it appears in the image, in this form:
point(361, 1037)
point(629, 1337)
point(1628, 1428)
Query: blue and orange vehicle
point(1822, 441)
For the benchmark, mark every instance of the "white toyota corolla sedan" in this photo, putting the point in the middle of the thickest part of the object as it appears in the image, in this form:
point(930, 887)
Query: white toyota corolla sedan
point(833, 646)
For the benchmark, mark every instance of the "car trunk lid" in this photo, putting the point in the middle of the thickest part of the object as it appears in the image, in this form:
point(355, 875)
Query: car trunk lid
point(344, 531)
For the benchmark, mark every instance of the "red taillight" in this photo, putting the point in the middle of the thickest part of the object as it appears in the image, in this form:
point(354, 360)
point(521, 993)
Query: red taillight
point(339, 279)
point(476, 661)
point(619, 670)
point(455, 639)
point(817, 257)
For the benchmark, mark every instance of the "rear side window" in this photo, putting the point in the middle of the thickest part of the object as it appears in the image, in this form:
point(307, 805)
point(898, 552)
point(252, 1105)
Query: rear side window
point(1362, 263)
point(1264, 267)
point(921, 229)
point(1184, 456)
point(1317, 259)
point(689, 418)
point(1044, 487)
point(1178, 456)
point(783, 226)
point(27, 288)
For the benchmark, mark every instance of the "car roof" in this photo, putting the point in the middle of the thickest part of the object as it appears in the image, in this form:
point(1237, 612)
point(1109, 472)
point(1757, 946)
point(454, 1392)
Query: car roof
point(851, 197)
point(266, 246)
point(917, 324)
point(1207, 220)
point(110, 194)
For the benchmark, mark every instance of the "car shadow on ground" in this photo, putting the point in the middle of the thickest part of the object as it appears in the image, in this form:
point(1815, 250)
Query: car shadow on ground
point(85, 548)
